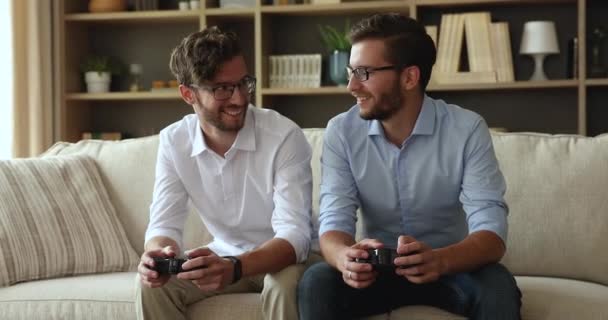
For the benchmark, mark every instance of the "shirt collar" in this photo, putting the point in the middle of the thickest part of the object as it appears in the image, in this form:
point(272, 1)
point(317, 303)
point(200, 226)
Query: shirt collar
point(198, 144)
point(245, 139)
point(425, 124)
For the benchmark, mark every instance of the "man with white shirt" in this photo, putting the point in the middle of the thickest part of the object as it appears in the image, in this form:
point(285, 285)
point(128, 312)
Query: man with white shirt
point(246, 171)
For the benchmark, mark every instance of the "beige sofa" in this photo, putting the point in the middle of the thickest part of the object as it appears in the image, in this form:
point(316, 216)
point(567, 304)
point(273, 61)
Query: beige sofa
point(557, 193)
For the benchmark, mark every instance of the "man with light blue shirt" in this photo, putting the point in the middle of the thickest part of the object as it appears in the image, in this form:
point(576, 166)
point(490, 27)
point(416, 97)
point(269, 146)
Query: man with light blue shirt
point(427, 182)
point(247, 173)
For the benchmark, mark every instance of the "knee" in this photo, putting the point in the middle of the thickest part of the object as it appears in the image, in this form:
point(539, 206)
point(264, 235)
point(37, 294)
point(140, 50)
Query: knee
point(317, 279)
point(495, 281)
point(282, 282)
point(497, 276)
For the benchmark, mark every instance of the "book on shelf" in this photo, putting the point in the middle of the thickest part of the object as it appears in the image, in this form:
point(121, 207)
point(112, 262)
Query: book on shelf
point(294, 71)
point(501, 49)
point(572, 67)
point(488, 47)
point(477, 31)
point(102, 135)
point(451, 31)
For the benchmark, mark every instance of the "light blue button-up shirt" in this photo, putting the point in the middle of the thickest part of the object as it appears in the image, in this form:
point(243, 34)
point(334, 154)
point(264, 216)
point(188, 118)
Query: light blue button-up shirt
point(440, 185)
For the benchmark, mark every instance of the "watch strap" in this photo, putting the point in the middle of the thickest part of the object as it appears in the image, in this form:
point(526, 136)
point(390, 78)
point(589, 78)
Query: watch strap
point(238, 268)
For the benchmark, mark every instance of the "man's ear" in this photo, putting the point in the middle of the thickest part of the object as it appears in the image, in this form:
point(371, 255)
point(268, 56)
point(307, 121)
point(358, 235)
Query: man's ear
point(187, 94)
point(410, 77)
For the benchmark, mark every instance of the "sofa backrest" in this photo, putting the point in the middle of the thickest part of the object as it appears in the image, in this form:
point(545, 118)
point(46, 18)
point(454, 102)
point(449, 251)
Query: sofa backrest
point(556, 190)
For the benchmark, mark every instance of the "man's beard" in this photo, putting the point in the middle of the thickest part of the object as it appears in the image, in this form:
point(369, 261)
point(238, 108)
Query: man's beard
point(215, 118)
point(388, 104)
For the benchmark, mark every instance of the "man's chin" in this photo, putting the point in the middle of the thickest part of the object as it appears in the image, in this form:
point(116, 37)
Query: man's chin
point(367, 114)
point(233, 125)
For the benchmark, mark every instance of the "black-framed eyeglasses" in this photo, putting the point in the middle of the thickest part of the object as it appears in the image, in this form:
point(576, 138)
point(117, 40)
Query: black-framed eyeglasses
point(225, 91)
point(362, 73)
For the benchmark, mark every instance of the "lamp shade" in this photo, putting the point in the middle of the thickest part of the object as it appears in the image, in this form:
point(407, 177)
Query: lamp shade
point(539, 37)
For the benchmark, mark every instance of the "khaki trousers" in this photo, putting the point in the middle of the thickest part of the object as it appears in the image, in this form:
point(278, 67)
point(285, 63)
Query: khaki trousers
point(278, 294)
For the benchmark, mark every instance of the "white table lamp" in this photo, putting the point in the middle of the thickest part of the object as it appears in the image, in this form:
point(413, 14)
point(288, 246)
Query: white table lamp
point(539, 40)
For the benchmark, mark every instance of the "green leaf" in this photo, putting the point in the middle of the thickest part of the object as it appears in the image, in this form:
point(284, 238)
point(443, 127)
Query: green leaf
point(334, 39)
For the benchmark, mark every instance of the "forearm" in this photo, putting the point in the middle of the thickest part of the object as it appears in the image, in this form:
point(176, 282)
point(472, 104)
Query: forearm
point(272, 256)
point(476, 250)
point(160, 242)
point(332, 242)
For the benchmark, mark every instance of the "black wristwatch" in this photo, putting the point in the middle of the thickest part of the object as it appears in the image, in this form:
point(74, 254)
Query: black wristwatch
point(238, 268)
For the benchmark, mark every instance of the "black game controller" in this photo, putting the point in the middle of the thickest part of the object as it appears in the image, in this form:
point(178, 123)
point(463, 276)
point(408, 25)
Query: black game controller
point(380, 259)
point(168, 265)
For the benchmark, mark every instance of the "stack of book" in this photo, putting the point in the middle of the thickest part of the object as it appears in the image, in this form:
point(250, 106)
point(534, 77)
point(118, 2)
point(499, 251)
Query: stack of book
point(488, 46)
point(295, 71)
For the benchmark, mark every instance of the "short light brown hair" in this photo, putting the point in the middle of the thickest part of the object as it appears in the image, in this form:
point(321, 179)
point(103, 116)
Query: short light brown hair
point(198, 57)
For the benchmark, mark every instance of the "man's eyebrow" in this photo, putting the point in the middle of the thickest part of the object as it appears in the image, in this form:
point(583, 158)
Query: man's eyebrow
point(229, 83)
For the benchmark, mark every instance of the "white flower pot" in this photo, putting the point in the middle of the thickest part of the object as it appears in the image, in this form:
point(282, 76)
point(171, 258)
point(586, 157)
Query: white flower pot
point(97, 82)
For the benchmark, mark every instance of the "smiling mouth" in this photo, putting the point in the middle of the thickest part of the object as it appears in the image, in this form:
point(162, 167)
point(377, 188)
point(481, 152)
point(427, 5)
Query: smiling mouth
point(361, 98)
point(233, 112)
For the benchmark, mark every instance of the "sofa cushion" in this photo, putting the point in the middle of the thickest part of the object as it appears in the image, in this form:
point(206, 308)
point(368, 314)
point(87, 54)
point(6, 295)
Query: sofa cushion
point(553, 298)
point(57, 220)
point(556, 191)
point(101, 296)
point(127, 168)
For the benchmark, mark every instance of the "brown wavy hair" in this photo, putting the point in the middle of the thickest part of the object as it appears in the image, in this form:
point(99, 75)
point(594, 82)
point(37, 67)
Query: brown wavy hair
point(200, 54)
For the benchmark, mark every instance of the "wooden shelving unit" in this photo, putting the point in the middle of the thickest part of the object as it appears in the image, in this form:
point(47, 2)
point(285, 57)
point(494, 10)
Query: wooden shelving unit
point(149, 36)
point(135, 17)
point(148, 95)
point(338, 9)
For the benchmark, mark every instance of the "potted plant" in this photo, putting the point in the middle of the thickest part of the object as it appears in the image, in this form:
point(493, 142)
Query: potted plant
point(98, 71)
point(338, 44)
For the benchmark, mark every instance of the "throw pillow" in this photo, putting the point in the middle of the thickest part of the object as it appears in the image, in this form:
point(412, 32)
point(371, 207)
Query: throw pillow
point(56, 220)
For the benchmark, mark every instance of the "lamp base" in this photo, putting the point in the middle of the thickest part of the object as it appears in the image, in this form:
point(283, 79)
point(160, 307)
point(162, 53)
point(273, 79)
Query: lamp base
point(539, 72)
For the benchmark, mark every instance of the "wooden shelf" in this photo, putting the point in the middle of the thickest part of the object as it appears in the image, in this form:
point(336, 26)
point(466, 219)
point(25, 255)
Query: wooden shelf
point(518, 85)
point(136, 16)
point(231, 12)
point(461, 3)
point(304, 91)
point(146, 95)
point(338, 8)
point(596, 82)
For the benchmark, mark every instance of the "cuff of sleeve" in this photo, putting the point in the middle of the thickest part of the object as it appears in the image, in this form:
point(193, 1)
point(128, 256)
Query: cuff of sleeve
point(169, 233)
point(336, 227)
point(299, 242)
point(490, 220)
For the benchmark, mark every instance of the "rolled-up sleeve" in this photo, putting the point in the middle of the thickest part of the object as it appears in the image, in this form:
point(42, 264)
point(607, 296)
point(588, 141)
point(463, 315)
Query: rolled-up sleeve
point(483, 185)
point(291, 218)
point(338, 191)
point(169, 208)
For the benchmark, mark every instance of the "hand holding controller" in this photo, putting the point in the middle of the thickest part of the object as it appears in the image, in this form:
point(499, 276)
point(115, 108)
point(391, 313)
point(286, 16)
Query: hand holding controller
point(380, 259)
point(168, 265)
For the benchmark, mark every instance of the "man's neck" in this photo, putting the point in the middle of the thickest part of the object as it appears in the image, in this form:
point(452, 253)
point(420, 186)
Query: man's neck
point(218, 140)
point(399, 127)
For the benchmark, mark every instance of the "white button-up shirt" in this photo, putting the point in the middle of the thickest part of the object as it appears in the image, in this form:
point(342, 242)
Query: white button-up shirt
point(260, 190)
